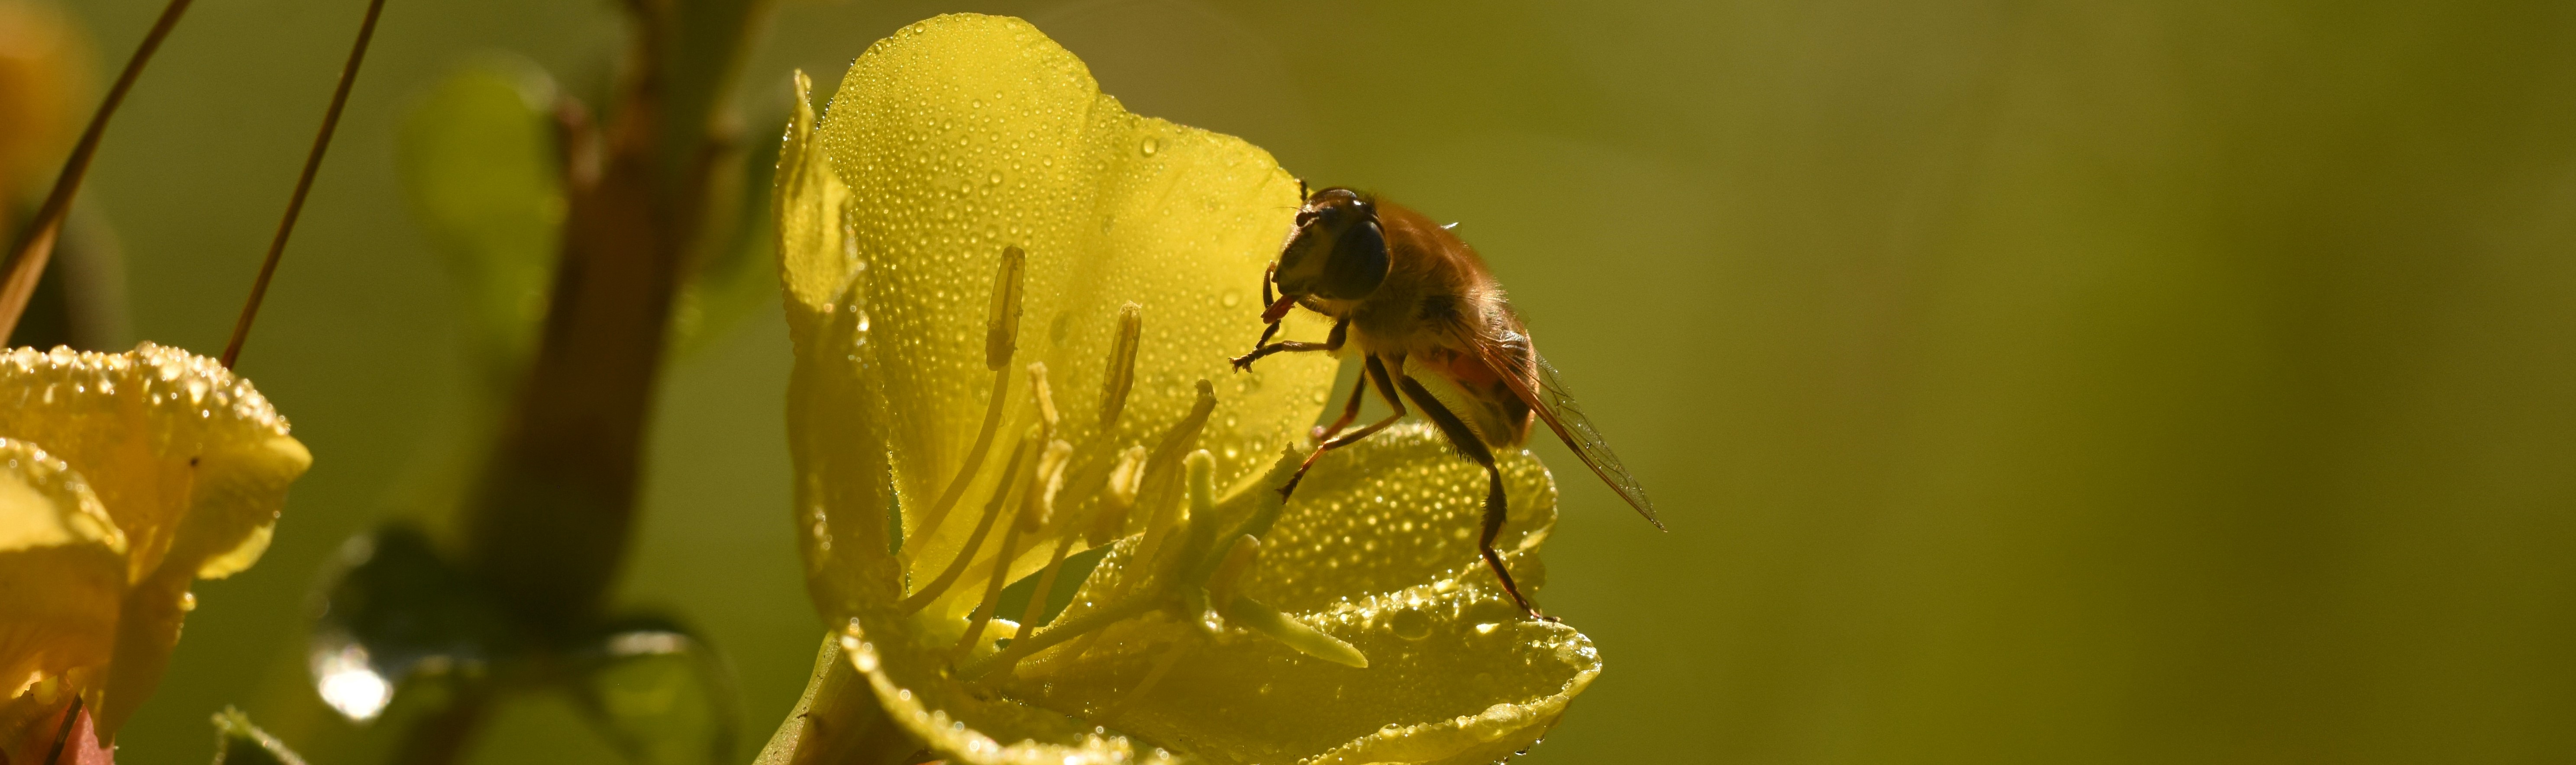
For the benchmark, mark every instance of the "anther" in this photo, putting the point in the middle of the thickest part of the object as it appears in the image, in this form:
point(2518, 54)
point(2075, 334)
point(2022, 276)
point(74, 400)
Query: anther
point(1118, 495)
point(1050, 482)
point(1155, 491)
point(1051, 469)
point(1045, 395)
point(1161, 482)
point(1129, 475)
point(1120, 374)
point(1117, 377)
point(1002, 326)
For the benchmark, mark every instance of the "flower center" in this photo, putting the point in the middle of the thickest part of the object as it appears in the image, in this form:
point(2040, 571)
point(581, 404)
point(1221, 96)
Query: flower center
point(1189, 559)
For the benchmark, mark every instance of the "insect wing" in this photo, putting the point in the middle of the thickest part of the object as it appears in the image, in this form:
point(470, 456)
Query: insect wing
point(1537, 384)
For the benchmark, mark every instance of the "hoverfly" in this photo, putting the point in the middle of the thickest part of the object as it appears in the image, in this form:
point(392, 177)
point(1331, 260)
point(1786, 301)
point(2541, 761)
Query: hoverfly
point(1418, 300)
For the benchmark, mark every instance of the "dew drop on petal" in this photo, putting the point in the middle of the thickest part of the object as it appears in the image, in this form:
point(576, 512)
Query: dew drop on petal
point(1410, 624)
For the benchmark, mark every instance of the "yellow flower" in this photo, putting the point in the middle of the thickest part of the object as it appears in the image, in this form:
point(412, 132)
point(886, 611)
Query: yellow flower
point(124, 478)
point(1012, 302)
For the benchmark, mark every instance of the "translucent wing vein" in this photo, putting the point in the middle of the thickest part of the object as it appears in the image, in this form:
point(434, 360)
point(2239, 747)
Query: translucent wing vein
point(1537, 384)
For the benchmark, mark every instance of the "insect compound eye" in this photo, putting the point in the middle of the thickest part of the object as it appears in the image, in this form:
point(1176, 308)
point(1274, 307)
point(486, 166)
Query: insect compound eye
point(1359, 263)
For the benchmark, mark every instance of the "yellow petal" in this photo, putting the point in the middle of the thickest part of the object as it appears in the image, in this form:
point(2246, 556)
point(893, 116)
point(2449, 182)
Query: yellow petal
point(1393, 511)
point(161, 435)
point(190, 462)
point(1378, 552)
point(815, 259)
point(835, 421)
point(963, 135)
point(1455, 673)
point(62, 572)
point(907, 674)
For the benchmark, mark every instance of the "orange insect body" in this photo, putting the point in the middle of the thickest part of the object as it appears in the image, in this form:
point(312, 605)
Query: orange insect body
point(1437, 311)
point(1416, 299)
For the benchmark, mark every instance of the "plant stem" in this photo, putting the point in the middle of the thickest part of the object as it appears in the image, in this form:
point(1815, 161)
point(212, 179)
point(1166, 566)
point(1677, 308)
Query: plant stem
point(550, 525)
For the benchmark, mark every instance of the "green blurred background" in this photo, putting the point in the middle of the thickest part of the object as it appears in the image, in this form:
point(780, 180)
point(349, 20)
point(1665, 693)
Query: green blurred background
point(2077, 382)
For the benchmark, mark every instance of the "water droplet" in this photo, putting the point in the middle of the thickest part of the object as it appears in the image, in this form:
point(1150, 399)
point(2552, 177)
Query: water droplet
point(1410, 625)
point(1231, 299)
point(1152, 145)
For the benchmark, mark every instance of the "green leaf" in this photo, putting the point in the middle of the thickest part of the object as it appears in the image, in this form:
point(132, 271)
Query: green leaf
point(484, 174)
point(237, 742)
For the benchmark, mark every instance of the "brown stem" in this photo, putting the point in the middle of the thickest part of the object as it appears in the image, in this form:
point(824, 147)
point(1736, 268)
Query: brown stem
point(35, 246)
point(550, 524)
point(304, 183)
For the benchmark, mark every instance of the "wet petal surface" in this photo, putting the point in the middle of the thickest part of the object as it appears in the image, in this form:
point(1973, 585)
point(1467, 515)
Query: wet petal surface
point(189, 462)
point(963, 135)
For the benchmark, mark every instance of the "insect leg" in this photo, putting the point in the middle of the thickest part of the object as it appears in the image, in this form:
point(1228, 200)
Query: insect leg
point(1266, 299)
point(1333, 342)
point(1473, 446)
point(1377, 371)
point(1350, 411)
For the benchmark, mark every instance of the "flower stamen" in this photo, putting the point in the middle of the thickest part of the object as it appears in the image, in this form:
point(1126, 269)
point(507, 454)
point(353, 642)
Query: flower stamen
point(1118, 377)
point(1120, 485)
point(1037, 505)
point(1162, 475)
point(1001, 340)
point(1056, 634)
point(1136, 484)
point(992, 510)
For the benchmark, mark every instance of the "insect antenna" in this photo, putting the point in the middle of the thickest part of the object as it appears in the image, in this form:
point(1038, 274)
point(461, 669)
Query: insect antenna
point(303, 183)
point(35, 246)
